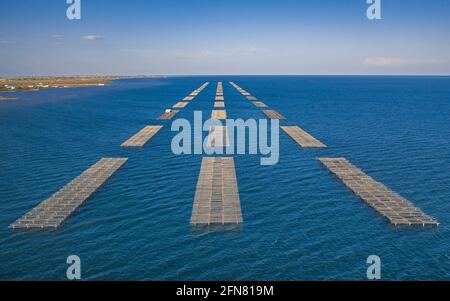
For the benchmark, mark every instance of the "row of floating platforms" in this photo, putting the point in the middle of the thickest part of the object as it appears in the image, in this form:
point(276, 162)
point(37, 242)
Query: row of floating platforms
point(180, 105)
point(389, 204)
point(219, 92)
point(168, 114)
point(396, 209)
point(259, 104)
point(194, 93)
point(52, 212)
point(143, 136)
point(216, 198)
point(271, 114)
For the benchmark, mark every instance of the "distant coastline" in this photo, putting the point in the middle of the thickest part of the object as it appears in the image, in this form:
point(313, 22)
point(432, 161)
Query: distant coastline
point(7, 98)
point(20, 84)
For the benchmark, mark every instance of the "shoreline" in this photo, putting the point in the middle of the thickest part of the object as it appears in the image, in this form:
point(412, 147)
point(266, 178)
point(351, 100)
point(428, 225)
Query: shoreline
point(29, 84)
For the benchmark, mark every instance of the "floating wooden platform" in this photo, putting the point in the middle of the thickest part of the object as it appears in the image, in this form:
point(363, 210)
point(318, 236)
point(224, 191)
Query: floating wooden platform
point(389, 204)
point(168, 115)
point(196, 92)
point(52, 212)
point(259, 104)
point(217, 196)
point(273, 115)
point(220, 98)
point(219, 104)
point(219, 114)
point(142, 137)
point(251, 98)
point(180, 104)
point(302, 138)
point(242, 91)
point(218, 137)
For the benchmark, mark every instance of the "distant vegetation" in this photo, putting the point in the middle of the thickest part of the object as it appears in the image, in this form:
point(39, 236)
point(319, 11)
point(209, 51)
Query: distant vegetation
point(39, 83)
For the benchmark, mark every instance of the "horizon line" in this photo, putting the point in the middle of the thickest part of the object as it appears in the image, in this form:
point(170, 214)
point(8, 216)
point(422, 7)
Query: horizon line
point(215, 75)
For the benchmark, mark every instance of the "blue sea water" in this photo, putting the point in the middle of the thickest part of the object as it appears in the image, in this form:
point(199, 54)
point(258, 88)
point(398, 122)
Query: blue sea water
point(300, 223)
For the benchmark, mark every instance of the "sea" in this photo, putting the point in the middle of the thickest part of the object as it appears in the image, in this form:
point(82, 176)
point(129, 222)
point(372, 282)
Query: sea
point(299, 221)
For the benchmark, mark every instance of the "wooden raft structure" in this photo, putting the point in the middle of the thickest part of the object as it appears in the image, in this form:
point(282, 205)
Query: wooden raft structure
point(389, 204)
point(219, 87)
point(216, 196)
point(219, 98)
point(143, 136)
point(259, 104)
point(219, 114)
point(302, 138)
point(251, 98)
point(168, 115)
point(196, 92)
point(273, 114)
point(219, 104)
point(218, 137)
point(52, 212)
point(181, 104)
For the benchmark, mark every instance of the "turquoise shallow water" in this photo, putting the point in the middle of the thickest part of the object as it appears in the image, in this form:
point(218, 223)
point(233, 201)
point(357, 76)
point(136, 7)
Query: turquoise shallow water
point(300, 223)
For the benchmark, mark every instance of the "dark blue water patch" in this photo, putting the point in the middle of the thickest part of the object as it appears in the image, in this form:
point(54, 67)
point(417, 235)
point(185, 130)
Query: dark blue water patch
point(300, 223)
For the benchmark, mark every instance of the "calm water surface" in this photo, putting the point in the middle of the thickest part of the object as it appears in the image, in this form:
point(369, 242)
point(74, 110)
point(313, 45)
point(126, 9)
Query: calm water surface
point(300, 223)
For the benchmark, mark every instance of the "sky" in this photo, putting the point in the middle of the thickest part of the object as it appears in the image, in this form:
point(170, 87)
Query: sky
point(249, 37)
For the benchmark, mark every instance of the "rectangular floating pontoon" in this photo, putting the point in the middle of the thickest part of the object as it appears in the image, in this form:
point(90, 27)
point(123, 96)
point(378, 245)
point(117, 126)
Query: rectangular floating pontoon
point(389, 204)
point(52, 212)
point(217, 196)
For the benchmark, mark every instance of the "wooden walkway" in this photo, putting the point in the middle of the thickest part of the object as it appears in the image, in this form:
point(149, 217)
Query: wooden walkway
point(168, 115)
point(181, 104)
point(52, 212)
point(219, 114)
point(252, 98)
point(273, 114)
point(259, 104)
point(188, 98)
point(302, 138)
point(143, 136)
point(217, 196)
point(219, 98)
point(218, 137)
point(219, 104)
point(389, 204)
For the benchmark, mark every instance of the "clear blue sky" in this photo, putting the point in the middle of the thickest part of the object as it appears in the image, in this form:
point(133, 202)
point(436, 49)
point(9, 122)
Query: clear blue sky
point(181, 37)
